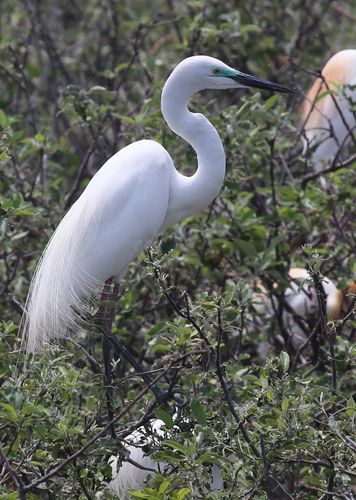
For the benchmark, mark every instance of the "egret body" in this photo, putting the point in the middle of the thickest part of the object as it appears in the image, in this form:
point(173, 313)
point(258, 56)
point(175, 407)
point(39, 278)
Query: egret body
point(134, 196)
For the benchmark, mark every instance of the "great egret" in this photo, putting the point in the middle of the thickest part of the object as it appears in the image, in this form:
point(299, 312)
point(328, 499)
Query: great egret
point(131, 476)
point(327, 117)
point(134, 196)
point(301, 300)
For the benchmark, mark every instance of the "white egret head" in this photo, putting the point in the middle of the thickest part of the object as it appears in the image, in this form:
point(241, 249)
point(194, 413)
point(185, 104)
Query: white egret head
point(205, 72)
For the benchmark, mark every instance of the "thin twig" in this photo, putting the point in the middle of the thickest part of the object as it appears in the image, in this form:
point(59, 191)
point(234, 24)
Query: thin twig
point(326, 492)
point(220, 374)
point(316, 463)
point(13, 474)
point(326, 332)
point(215, 353)
point(333, 168)
point(302, 347)
point(266, 467)
point(186, 315)
point(95, 365)
point(70, 196)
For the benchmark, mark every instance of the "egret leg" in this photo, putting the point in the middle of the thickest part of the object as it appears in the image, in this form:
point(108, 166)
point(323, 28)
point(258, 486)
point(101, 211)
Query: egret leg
point(107, 347)
point(109, 340)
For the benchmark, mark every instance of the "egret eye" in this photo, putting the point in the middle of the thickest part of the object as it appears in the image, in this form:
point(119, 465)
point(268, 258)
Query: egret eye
point(216, 71)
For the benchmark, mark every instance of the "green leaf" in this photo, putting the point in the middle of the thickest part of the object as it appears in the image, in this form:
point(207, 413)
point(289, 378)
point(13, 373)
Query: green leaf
point(39, 137)
point(3, 119)
point(246, 246)
point(164, 486)
point(285, 361)
point(9, 496)
point(351, 407)
point(4, 156)
point(285, 404)
point(183, 493)
point(25, 211)
point(177, 446)
point(98, 88)
point(165, 416)
point(138, 494)
point(161, 348)
point(271, 102)
point(198, 412)
point(158, 327)
point(169, 456)
point(9, 412)
point(270, 395)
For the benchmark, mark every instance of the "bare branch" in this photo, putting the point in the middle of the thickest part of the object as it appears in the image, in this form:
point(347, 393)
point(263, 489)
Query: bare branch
point(333, 168)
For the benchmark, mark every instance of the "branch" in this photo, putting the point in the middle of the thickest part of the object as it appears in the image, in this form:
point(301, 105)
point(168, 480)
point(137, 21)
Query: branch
point(215, 354)
point(94, 364)
point(303, 346)
point(69, 198)
point(326, 332)
point(329, 493)
point(266, 466)
point(316, 463)
point(186, 315)
point(333, 168)
point(14, 476)
point(220, 374)
point(337, 106)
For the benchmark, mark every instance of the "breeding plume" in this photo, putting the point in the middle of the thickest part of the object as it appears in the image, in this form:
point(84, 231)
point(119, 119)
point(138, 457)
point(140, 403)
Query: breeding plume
point(327, 117)
point(133, 197)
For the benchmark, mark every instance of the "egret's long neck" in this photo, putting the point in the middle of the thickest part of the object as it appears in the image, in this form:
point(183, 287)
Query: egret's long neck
point(191, 194)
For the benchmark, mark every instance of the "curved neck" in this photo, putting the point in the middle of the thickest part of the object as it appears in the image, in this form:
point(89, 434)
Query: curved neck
point(191, 194)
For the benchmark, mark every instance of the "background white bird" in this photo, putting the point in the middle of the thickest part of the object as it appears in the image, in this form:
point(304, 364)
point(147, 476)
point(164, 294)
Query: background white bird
point(301, 297)
point(134, 196)
point(328, 121)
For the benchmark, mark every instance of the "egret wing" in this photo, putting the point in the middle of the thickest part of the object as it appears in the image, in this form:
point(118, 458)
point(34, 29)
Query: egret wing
point(119, 213)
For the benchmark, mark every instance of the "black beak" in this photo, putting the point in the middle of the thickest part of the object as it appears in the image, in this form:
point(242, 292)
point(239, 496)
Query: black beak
point(259, 83)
